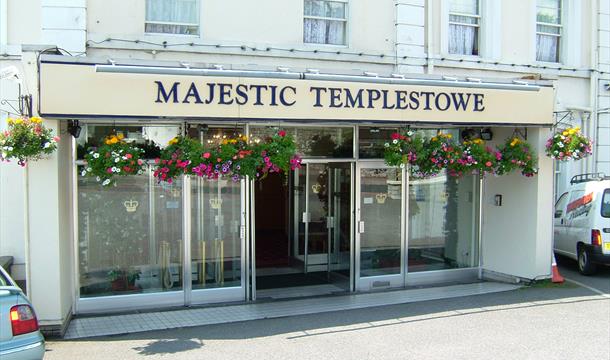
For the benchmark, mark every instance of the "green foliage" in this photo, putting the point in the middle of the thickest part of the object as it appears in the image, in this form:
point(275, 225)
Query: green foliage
point(569, 144)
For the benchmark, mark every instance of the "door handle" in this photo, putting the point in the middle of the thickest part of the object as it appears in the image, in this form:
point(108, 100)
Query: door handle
point(330, 222)
point(306, 217)
point(561, 221)
point(360, 227)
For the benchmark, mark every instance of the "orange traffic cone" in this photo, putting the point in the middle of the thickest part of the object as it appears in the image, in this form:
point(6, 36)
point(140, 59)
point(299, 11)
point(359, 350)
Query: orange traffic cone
point(557, 278)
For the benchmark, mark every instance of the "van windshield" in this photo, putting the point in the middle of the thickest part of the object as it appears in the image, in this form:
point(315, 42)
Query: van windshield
point(606, 204)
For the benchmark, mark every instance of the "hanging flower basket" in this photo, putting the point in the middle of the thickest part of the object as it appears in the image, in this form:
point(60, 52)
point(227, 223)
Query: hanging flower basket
point(569, 144)
point(26, 139)
point(516, 154)
point(429, 157)
point(474, 157)
point(403, 149)
point(234, 157)
point(115, 157)
point(437, 154)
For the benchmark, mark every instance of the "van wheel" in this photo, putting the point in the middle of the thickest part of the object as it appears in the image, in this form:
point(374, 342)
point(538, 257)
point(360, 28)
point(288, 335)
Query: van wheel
point(585, 266)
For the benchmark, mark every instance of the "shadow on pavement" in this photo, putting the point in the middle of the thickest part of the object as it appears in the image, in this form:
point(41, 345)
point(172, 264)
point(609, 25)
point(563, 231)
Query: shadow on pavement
point(184, 339)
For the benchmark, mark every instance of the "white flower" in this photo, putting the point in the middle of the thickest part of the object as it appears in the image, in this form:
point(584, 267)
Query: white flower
point(96, 155)
point(118, 170)
point(139, 172)
point(46, 145)
point(9, 148)
point(97, 178)
point(386, 145)
point(402, 166)
point(106, 182)
point(560, 145)
point(124, 157)
point(562, 137)
point(89, 169)
point(394, 141)
point(409, 133)
point(114, 169)
point(116, 160)
point(83, 173)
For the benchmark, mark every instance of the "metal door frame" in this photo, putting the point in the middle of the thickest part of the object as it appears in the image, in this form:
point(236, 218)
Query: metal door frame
point(380, 281)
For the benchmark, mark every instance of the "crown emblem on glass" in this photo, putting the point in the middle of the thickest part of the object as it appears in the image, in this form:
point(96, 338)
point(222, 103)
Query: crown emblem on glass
point(316, 188)
point(381, 197)
point(131, 205)
point(215, 203)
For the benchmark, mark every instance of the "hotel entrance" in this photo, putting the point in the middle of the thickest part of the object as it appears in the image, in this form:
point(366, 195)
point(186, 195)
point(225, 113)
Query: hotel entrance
point(303, 231)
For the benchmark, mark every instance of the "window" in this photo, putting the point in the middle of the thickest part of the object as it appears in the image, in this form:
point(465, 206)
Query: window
point(464, 25)
point(325, 22)
point(606, 204)
point(172, 17)
point(548, 30)
point(560, 205)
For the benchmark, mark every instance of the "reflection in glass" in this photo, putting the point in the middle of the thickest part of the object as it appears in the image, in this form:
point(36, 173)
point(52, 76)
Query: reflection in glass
point(371, 141)
point(215, 238)
point(380, 204)
point(314, 141)
point(129, 236)
point(442, 223)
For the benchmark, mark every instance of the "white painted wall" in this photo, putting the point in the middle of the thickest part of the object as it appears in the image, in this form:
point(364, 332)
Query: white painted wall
point(516, 237)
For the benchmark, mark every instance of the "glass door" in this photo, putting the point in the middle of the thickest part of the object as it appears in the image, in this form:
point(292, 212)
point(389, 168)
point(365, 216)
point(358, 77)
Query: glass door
point(380, 226)
point(323, 205)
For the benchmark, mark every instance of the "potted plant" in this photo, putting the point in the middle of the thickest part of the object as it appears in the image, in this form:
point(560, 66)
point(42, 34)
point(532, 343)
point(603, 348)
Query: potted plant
point(122, 279)
point(26, 139)
point(569, 144)
point(115, 157)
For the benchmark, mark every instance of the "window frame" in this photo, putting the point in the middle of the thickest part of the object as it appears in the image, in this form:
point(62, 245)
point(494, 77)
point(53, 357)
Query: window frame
point(198, 24)
point(605, 193)
point(345, 20)
point(559, 35)
point(479, 19)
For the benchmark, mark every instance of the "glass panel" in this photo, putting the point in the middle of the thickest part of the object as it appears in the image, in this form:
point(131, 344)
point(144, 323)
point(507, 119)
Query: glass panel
point(463, 40)
point(605, 210)
point(549, 11)
point(340, 222)
point(314, 141)
point(130, 236)
point(463, 19)
point(442, 223)
point(548, 29)
point(547, 48)
point(149, 138)
point(371, 140)
point(464, 6)
point(175, 11)
point(380, 209)
point(325, 9)
point(300, 183)
point(215, 233)
point(320, 31)
point(318, 208)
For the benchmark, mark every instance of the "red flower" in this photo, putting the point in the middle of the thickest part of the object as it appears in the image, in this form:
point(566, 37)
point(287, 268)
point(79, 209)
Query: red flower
point(488, 163)
point(395, 136)
point(282, 133)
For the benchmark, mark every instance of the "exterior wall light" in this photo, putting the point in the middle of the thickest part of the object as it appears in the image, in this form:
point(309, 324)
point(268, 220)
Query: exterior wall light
point(74, 128)
point(486, 134)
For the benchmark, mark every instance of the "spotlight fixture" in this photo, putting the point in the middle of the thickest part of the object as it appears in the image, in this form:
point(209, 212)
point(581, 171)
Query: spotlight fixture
point(468, 134)
point(486, 134)
point(74, 128)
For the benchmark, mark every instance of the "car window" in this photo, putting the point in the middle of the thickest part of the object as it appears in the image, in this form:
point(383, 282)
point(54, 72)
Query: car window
point(560, 205)
point(606, 203)
point(3, 280)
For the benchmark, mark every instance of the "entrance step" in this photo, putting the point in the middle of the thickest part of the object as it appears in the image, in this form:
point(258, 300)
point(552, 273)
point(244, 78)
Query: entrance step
point(133, 323)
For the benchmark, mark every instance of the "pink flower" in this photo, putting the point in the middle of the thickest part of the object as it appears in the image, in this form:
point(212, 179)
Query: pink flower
point(206, 155)
point(488, 164)
point(56, 138)
point(129, 156)
point(157, 160)
point(109, 170)
point(282, 133)
point(140, 162)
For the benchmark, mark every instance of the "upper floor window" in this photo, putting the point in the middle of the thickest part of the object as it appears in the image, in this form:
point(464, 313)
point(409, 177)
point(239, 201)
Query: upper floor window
point(172, 17)
point(548, 30)
point(325, 22)
point(464, 25)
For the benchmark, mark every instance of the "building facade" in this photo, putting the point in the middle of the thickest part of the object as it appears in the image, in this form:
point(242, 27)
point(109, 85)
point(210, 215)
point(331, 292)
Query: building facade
point(344, 222)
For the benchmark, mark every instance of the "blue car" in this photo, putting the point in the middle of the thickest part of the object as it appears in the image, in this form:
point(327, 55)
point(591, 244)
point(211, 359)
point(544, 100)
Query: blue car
point(20, 338)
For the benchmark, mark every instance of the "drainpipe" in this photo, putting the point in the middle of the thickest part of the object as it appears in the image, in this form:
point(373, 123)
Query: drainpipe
point(591, 164)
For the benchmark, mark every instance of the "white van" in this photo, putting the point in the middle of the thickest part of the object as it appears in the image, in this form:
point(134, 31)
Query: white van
point(582, 222)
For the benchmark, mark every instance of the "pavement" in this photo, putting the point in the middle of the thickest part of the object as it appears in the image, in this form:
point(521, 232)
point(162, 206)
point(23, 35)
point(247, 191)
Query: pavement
point(545, 321)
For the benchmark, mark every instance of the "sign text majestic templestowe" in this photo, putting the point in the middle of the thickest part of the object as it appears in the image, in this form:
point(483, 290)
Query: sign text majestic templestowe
point(330, 97)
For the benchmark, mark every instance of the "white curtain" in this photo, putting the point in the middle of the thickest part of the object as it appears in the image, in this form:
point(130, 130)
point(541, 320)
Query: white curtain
point(172, 11)
point(546, 48)
point(324, 31)
point(463, 40)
